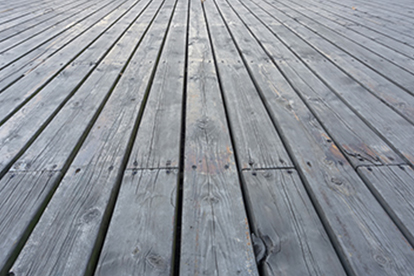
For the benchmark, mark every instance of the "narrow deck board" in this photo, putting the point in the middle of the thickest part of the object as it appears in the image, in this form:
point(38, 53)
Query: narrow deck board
point(396, 130)
point(255, 137)
point(357, 141)
point(334, 186)
point(141, 234)
point(22, 195)
point(157, 144)
point(76, 234)
point(294, 240)
point(213, 137)
point(215, 236)
point(393, 186)
point(50, 103)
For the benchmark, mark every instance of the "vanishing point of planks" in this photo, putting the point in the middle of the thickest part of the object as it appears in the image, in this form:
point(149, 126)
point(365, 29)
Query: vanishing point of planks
point(213, 137)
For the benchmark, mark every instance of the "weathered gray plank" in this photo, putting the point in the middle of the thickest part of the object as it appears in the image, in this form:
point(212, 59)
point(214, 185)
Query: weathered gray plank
point(396, 130)
point(34, 17)
point(351, 25)
point(14, 53)
point(35, 69)
point(393, 187)
point(290, 231)
point(74, 6)
point(390, 64)
point(141, 233)
point(47, 29)
point(157, 144)
point(364, 236)
point(22, 197)
point(256, 139)
point(12, 12)
point(72, 237)
point(376, 25)
point(55, 144)
point(357, 141)
point(215, 237)
point(29, 120)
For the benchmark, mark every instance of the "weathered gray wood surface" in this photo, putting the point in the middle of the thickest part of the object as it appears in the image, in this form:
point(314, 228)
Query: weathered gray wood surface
point(75, 234)
point(215, 237)
point(255, 137)
point(50, 103)
point(22, 196)
point(357, 141)
point(141, 234)
point(394, 188)
point(157, 144)
point(291, 233)
point(335, 187)
point(396, 130)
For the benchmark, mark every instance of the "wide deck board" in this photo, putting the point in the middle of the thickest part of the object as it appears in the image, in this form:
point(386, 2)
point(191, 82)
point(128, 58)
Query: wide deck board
point(213, 137)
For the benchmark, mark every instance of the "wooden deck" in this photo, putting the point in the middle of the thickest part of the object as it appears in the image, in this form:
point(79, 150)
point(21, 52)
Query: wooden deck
point(213, 137)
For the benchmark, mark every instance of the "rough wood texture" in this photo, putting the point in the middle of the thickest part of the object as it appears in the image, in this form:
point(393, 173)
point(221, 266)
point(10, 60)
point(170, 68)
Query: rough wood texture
point(157, 144)
point(288, 119)
point(140, 237)
point(54, 146)
point(358, 142)
point(291, 234)
point(376, 114)
point(355, 221)
point(75, 233)
point(23, 196)
point(394, 189)
point(215, 237)
point(254, 135)
point(41, 109)
point(141, 234)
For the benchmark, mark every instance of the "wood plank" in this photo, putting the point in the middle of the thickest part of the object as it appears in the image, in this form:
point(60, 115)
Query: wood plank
point(54, 55)
point(89, 189)
point(13, 12)
point(290, 231)
point(157, 144)
point(141, 233)
point(350, 24)
point(12, 53)
point(393, 128)
point(215, 236)
point(256, 139)
point(34, 17)
point(393, 187)
point(56, 144)
point(29, 24)
point(22, 198)
point(364, 236)
point(356, 140)
point(377, 26)
point(31, 120)
point(47, 29)
point(390, 64)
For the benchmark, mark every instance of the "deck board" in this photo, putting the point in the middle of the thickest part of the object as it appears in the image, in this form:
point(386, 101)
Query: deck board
point(212, 137)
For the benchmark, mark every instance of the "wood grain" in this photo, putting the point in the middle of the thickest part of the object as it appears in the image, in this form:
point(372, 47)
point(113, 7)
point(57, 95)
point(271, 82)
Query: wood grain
point(75, 233)
point(255, 138)
point(393, 187)
point(215, 237)
point(141, 234)
point(23, 196)
point(286, 222)
point(157, 144)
